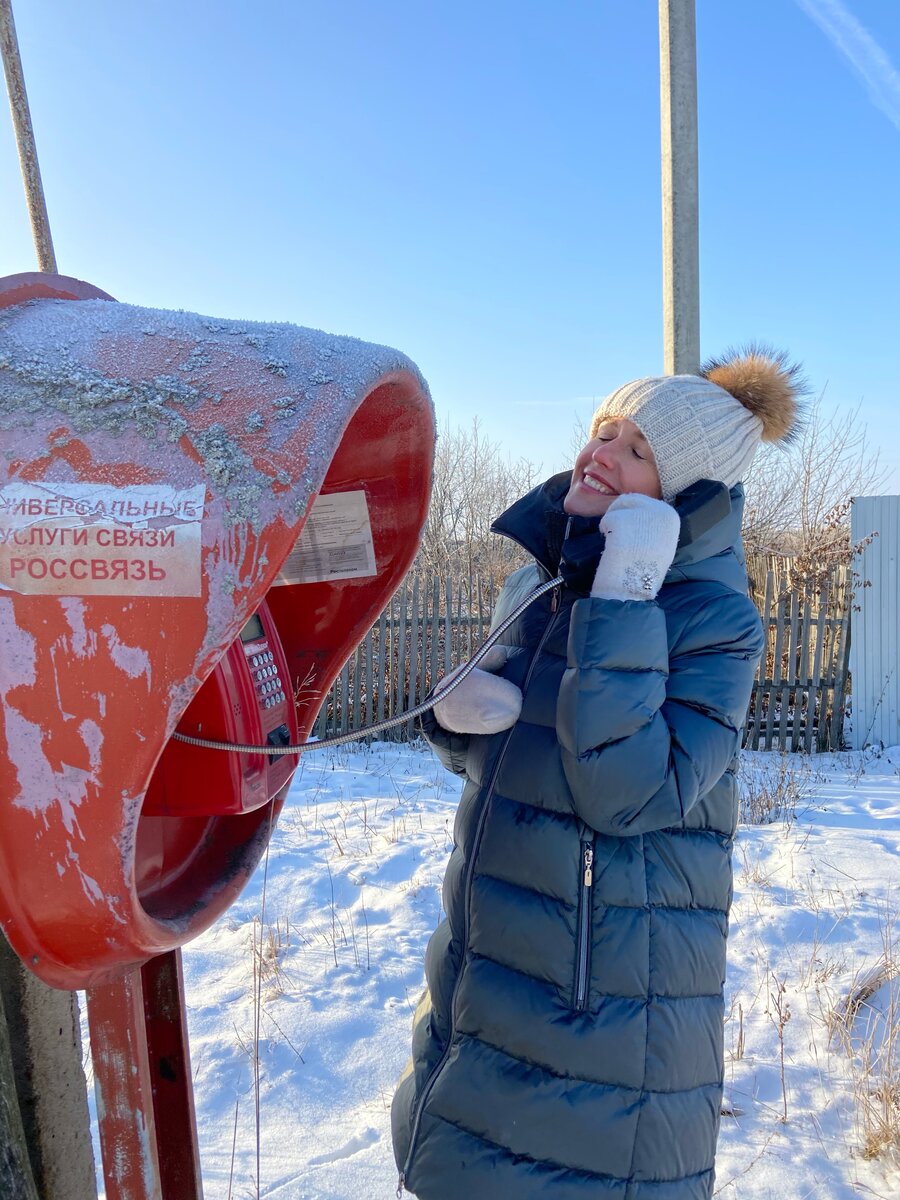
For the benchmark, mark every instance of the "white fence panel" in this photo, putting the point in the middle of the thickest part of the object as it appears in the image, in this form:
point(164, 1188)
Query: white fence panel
point(875, 623)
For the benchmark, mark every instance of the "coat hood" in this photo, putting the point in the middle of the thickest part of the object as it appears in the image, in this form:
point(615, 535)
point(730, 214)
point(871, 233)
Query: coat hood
point(709, 547)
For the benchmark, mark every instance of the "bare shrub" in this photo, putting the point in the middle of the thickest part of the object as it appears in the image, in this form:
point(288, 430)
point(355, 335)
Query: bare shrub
point(798, 496)
point(774, 789)
point(473, 483)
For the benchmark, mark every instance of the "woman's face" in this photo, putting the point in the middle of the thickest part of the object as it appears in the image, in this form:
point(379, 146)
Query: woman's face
point(616, 461)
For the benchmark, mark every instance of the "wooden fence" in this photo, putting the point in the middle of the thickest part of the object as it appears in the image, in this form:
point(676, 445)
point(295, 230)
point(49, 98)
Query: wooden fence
point(431, 625)
point(801, 681)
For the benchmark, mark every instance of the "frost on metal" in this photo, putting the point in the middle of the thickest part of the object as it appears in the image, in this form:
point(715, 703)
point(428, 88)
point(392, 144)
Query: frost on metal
point(155, 470)
point(254, 412)
point(116, 369)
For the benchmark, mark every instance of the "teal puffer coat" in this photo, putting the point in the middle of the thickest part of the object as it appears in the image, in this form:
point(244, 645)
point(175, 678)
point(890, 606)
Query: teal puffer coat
point(570, 1042)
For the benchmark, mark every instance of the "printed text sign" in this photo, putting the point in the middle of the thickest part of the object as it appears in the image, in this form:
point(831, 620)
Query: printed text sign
point(336, 542)
point(86, 539)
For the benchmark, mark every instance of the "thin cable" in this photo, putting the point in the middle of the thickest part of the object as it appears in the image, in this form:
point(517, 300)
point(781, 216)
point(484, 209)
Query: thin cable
point(28, 159)
point(368, 730)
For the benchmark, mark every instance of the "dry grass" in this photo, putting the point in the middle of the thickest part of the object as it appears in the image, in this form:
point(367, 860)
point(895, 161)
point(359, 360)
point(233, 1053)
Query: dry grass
point(269, 945)
point(776, 790)
point(849, 1023)
point(867, 1025)
point(756, 870)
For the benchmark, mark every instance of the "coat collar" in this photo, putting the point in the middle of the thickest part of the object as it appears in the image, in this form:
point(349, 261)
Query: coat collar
point(538, 522)
point(710, 531)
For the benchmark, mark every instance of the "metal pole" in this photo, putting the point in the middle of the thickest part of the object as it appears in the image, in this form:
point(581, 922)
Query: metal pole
point(680, 192)
point(47, 1088)
point(28, 159)
point(16, 1176)
point(45, 1139)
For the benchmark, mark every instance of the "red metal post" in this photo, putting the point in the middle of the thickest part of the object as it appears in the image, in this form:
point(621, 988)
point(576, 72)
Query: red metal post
point(124, 1089)
point(170, 1076)
point(145, 1101)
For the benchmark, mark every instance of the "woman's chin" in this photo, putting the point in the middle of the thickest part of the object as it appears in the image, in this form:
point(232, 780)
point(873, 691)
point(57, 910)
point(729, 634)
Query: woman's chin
point(579, 502)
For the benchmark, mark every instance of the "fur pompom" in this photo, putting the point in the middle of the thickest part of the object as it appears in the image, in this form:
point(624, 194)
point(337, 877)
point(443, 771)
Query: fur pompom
point(766, 383)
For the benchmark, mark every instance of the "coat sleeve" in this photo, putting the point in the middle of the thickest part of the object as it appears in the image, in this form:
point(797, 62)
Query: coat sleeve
point(451, 748)
point(643, 737)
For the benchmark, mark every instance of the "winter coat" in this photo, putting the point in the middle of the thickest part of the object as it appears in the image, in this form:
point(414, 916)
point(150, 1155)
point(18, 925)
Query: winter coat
point(570, 1041)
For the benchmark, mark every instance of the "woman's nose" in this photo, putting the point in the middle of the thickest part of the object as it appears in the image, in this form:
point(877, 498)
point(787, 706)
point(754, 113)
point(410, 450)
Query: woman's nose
point(603, 452)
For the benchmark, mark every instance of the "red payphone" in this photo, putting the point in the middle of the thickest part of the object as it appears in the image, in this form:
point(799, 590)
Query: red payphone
point(248, 699)
point(157, 473)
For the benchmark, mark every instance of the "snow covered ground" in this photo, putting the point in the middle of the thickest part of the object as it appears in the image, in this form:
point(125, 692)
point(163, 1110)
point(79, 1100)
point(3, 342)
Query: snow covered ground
point(320, 966)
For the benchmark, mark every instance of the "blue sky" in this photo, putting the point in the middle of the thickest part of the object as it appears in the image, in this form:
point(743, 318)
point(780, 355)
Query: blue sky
point(477, 184)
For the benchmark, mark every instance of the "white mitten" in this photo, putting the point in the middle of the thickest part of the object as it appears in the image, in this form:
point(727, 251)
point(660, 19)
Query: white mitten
point(641, 540)
point(483, 703)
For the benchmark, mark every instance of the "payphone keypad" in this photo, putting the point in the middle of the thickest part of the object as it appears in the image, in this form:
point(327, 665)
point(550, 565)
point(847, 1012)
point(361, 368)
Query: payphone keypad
point(264, 673)
point(247, 700)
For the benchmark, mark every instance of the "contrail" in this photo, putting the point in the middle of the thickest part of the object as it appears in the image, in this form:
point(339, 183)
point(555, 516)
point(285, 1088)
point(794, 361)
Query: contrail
point(869, 61)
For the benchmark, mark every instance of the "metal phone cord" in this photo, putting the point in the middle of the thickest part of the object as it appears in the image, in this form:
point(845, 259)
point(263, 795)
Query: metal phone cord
point(354, 735)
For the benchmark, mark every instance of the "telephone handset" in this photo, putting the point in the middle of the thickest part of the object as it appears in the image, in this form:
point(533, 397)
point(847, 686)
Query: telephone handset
point(248, 698)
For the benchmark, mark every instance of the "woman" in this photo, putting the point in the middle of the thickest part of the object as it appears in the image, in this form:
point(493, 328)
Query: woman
point(570, 1042)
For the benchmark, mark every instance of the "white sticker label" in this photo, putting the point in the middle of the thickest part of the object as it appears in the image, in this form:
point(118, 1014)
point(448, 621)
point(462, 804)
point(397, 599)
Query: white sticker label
point(87, 539)
point(336, 542)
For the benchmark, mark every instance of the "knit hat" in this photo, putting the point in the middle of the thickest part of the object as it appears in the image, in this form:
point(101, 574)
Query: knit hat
point(708, 426)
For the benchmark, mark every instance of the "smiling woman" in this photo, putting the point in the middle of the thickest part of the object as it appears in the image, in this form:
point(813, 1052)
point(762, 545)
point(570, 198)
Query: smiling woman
point(617, 460)
point(570, 1039)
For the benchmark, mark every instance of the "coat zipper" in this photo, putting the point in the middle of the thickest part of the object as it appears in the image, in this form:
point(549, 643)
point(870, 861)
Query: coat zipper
point(470, 871)
point(583, 944)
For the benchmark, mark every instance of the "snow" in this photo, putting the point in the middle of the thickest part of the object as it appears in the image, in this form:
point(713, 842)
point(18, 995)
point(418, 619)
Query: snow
point(331, 933)
point(351, 895)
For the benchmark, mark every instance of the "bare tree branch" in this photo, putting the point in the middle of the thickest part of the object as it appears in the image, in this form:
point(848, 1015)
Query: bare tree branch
point(798, 497)
point(473, 484)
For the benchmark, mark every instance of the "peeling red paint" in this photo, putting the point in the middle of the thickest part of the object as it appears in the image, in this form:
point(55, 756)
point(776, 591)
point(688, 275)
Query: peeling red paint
point(94, 392)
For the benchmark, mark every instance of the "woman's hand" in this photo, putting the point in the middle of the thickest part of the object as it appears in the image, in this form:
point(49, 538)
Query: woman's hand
point(482, 703)
point(641, 540)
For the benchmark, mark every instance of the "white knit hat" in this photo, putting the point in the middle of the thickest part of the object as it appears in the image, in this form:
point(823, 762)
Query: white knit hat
point(709, 426)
